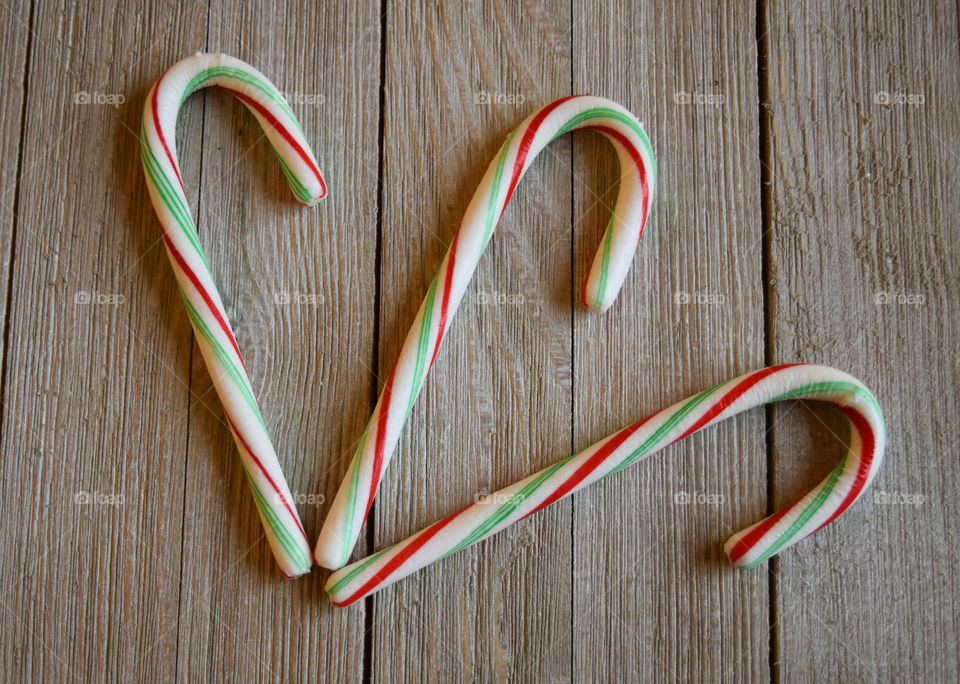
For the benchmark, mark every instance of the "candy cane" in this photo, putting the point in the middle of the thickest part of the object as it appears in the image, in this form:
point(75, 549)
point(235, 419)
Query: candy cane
point(204, 306)
point(745, 549)
point(600, 288)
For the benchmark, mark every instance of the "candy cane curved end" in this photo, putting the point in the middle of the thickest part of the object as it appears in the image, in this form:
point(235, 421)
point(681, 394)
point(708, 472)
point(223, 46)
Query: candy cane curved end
point(261, 97)
point(824, 503)
point(599, 290)
point(205, 309)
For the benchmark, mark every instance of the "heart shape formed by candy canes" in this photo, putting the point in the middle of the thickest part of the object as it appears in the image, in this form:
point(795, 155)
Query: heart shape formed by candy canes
point(473, 523)
point(204, 307)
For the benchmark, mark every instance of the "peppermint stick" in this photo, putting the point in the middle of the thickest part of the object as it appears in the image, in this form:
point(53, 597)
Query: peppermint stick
point(204, 307)
point(600, 288)
point(745, 549)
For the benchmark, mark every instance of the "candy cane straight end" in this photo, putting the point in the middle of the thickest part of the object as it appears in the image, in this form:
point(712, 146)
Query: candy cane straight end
point(820, 506)
point(215, 337)
point(325, 554)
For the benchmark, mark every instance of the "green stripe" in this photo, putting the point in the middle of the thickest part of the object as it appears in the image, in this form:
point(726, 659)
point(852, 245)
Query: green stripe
point(605, 264)
point(422, 343)
point(164, 186)
point(495, 193)
point(299, 191)
point(668, 425)
point(814, 506)
point(265, 87)
point(170, 197)
point(240, 379)
point(503, 511)
point(360, 567)
point(271, 92)
point(607, 113)
point(273, 522)
point(282, 534)
point(830, 387)
point(805, 516)
point(352, 498)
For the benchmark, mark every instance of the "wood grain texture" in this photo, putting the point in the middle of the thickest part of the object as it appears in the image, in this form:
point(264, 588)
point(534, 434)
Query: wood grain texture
point(92, 470)
point(864, 268)
point(496, 405)
point(654, 599)
point(299, 286)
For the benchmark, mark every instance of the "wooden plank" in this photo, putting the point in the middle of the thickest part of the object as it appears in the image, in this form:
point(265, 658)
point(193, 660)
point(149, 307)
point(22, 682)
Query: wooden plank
point(14, 39)
point(497, 403)
point(654, 598)
point(299, 286)
point(864, 137)
point(94, 408)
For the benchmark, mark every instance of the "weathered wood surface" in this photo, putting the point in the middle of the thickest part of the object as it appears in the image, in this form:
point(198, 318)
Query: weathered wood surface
point(652, 589)
point(864, 137)
point(798, 217)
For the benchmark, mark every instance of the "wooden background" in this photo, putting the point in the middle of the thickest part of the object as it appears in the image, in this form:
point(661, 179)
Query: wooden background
point(809, 158)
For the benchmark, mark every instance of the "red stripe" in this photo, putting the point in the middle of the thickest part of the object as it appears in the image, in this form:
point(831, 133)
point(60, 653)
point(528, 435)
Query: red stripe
point(156, 125)
point(246, 447)
point(526, 142)
point(617, 440)
point(641, 169)
point(380, 442)
point(405, 553)
point(275, 123)
point(445, 301)
point(591, 464)
point(181, 262)
point(732, 395)
point(725, 401)
point(750, 539)
point(869, 442)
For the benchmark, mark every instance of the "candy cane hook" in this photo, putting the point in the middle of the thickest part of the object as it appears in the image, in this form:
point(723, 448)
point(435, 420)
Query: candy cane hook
point(207, 315)
point(600, 288)
point(745, 549)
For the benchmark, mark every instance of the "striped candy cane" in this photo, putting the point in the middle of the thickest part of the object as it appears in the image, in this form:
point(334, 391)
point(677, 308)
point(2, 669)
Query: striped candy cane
point(602, 284)
point(745, 549)
point(204, 306)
